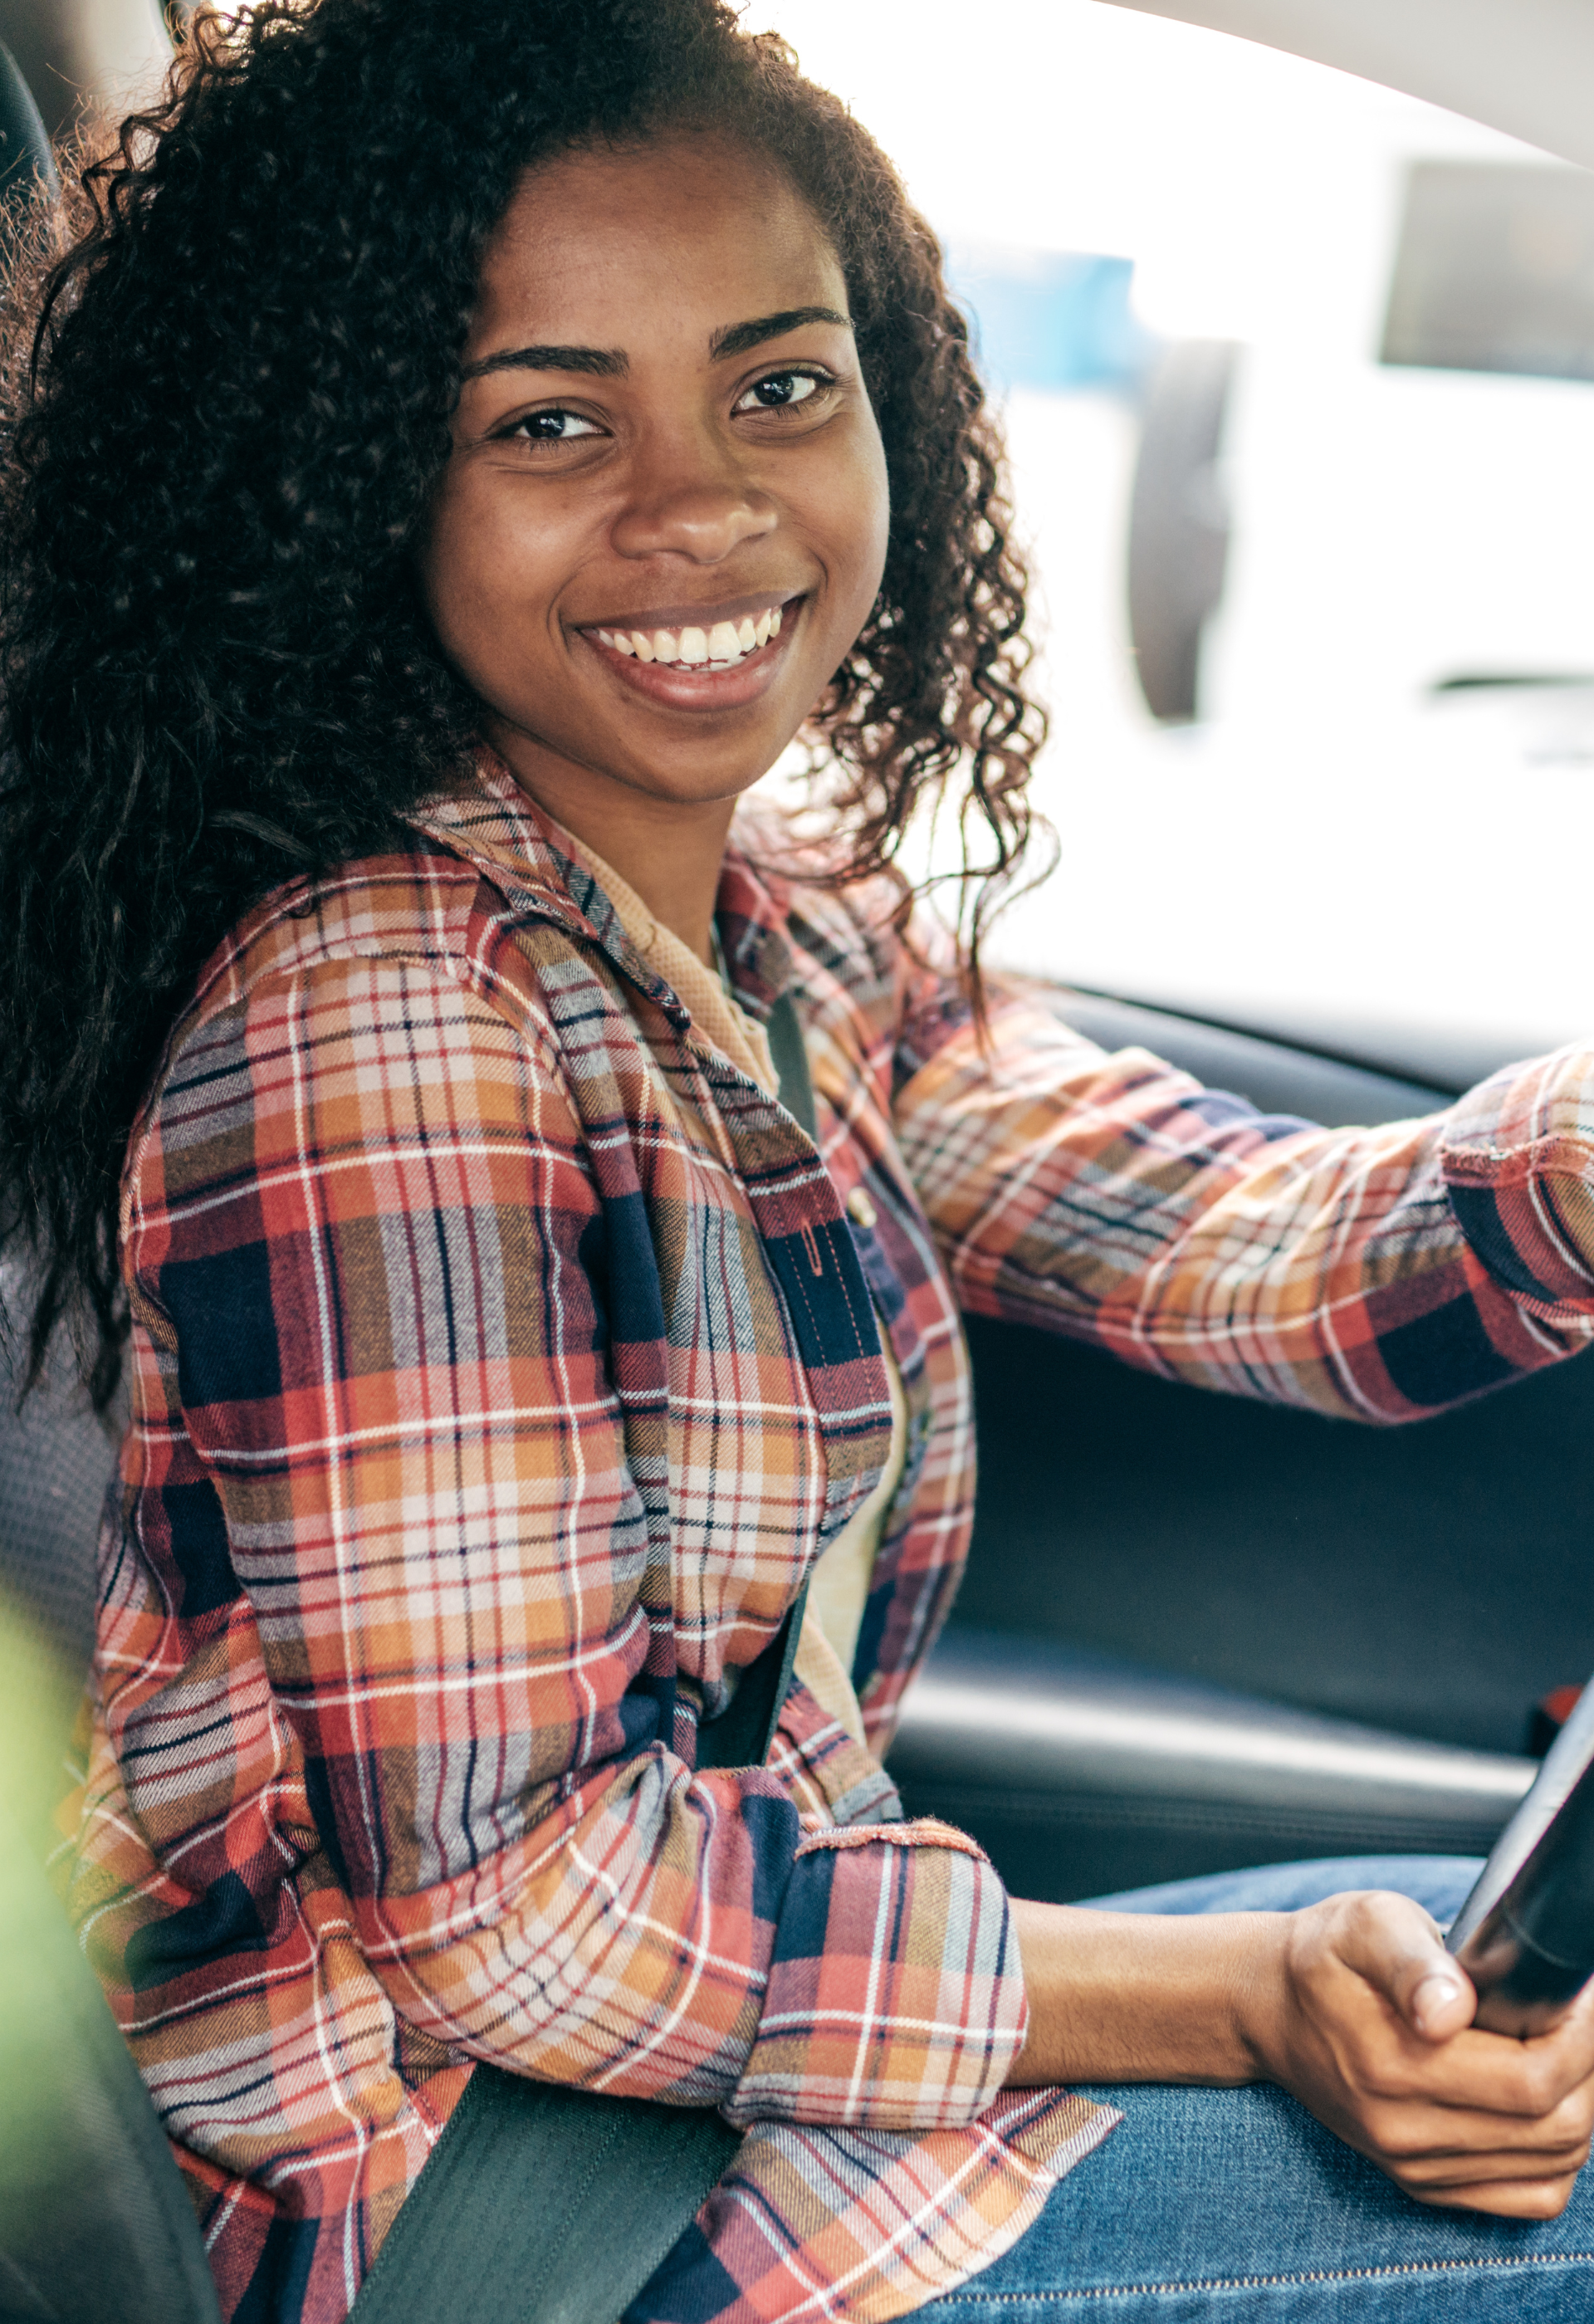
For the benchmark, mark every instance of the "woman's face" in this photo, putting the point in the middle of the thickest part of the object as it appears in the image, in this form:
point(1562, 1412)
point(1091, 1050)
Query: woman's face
point(663, 450)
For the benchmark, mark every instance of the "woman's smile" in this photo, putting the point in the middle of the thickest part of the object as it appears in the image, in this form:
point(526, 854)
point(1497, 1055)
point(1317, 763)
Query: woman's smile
point(708, 658)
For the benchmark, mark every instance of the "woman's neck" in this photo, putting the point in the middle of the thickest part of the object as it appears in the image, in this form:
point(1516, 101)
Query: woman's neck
point(670, 850)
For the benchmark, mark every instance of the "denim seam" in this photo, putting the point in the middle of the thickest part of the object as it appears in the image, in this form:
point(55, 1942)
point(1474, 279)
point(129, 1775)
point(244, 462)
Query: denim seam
point(1261, 2282)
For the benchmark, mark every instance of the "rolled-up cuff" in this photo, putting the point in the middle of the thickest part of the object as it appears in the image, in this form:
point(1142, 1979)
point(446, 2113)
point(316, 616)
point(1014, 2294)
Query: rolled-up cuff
point(896, 1995)
point(1518, 1164)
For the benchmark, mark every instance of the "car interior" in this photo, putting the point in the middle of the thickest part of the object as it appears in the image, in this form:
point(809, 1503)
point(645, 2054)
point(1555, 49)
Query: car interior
point(1196, 1633)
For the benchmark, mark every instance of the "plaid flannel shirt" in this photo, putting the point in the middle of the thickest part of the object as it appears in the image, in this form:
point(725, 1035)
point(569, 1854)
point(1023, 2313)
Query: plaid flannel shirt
point(488, 1408)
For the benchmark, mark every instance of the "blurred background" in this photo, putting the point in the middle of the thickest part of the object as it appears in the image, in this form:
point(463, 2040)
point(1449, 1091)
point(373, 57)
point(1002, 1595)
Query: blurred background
point(1296, 376)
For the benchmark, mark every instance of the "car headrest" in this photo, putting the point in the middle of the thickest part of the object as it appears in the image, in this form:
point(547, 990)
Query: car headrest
point(24, 147)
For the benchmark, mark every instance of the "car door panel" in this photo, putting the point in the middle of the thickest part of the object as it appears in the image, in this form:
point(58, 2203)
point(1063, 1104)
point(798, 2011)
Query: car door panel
point(1430, 1582)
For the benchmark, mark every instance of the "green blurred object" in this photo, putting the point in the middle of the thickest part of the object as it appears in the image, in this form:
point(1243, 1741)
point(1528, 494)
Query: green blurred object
point(94, 2221)
point(37, 1958)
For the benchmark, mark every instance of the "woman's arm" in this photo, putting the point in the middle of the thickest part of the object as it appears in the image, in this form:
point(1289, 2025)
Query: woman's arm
point(1373, 1274)
point(1352, 2004)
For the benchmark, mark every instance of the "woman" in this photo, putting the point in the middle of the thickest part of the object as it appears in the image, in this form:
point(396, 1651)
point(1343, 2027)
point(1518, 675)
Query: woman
point(456, 459)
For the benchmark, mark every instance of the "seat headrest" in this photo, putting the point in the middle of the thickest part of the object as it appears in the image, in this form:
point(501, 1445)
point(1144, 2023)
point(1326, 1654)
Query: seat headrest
point(24, 147)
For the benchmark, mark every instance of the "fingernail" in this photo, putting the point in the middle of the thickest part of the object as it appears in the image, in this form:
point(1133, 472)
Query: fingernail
point(1434, 1994)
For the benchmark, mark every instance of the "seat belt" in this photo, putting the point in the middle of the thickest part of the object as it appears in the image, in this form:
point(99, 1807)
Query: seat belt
point(543, 2205)
point(540, 2204)
point(784, 1032)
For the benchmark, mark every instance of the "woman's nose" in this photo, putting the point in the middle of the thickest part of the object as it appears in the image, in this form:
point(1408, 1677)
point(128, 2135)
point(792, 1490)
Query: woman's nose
point(691, 503)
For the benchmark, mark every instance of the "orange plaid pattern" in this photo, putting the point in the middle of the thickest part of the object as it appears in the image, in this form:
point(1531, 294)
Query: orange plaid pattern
point(488, 1411)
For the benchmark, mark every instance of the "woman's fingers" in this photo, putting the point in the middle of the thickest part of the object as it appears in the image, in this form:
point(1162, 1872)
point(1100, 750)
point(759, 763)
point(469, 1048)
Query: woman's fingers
point(1505, 2199)
point(1416, 2131)
point(1513, 2184)
point(1435, 2174)
point(1377, 2042)
point(1391, 1948)
point(1489, 2073)
point(1444, 2146)
point(1397, 1948)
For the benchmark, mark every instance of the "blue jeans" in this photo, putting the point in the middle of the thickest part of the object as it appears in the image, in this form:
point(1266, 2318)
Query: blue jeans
point(1235, 2203)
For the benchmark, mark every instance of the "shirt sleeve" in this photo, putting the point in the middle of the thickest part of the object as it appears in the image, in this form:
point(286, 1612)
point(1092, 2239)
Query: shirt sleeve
point(385, 1301)
point(1373, 1274)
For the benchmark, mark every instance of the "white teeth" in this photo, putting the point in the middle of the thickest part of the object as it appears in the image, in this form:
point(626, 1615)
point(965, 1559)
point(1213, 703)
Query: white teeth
point(719, 646)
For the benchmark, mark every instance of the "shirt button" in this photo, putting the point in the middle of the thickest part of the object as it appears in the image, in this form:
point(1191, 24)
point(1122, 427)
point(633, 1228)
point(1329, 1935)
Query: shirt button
point(860, 1209)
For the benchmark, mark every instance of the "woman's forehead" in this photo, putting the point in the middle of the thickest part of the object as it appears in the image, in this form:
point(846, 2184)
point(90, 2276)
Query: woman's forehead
point(692, 229)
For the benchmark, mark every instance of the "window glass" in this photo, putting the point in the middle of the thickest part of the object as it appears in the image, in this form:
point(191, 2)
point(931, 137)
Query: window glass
point(1297, 381)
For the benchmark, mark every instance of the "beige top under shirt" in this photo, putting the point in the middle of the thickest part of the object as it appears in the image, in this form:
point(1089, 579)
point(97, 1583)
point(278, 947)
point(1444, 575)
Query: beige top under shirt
point(839, 1585)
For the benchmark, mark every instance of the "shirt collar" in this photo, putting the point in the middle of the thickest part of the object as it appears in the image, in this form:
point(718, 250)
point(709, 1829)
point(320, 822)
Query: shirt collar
point(489, 821)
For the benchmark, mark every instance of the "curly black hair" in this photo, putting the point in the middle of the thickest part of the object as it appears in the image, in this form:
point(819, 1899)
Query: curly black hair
point(227, 396)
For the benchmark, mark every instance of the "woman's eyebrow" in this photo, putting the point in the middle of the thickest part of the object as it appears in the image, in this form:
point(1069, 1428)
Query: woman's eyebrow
point(736, 339)
point(599, 363)
point(613, 363)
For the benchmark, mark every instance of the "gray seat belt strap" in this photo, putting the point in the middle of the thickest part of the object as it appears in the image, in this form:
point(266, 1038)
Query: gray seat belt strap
point(545, 2205)
point(791, 1063)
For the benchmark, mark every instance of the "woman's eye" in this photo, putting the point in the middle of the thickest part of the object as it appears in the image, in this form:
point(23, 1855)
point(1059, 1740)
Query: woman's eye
point(780, 390)
point(553, 428)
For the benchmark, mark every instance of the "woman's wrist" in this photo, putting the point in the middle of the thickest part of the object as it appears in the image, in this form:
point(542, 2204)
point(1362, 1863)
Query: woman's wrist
point(1130, 1997)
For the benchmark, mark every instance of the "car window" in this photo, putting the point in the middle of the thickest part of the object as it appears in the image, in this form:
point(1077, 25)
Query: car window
point(1296, 373)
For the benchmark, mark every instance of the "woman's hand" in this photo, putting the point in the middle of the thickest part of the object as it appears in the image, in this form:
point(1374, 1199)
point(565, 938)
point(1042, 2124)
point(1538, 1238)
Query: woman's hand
point(1353, 2006)
point(1369, 2023)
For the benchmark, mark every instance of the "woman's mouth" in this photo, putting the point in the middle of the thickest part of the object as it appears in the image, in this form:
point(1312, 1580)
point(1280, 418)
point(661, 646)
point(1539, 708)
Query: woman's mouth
point(720, 646)
point(727, 663)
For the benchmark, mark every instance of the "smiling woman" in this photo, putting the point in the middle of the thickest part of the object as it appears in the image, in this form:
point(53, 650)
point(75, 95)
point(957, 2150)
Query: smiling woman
point(661, 388)
point(242, 625)
point(453, 459)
